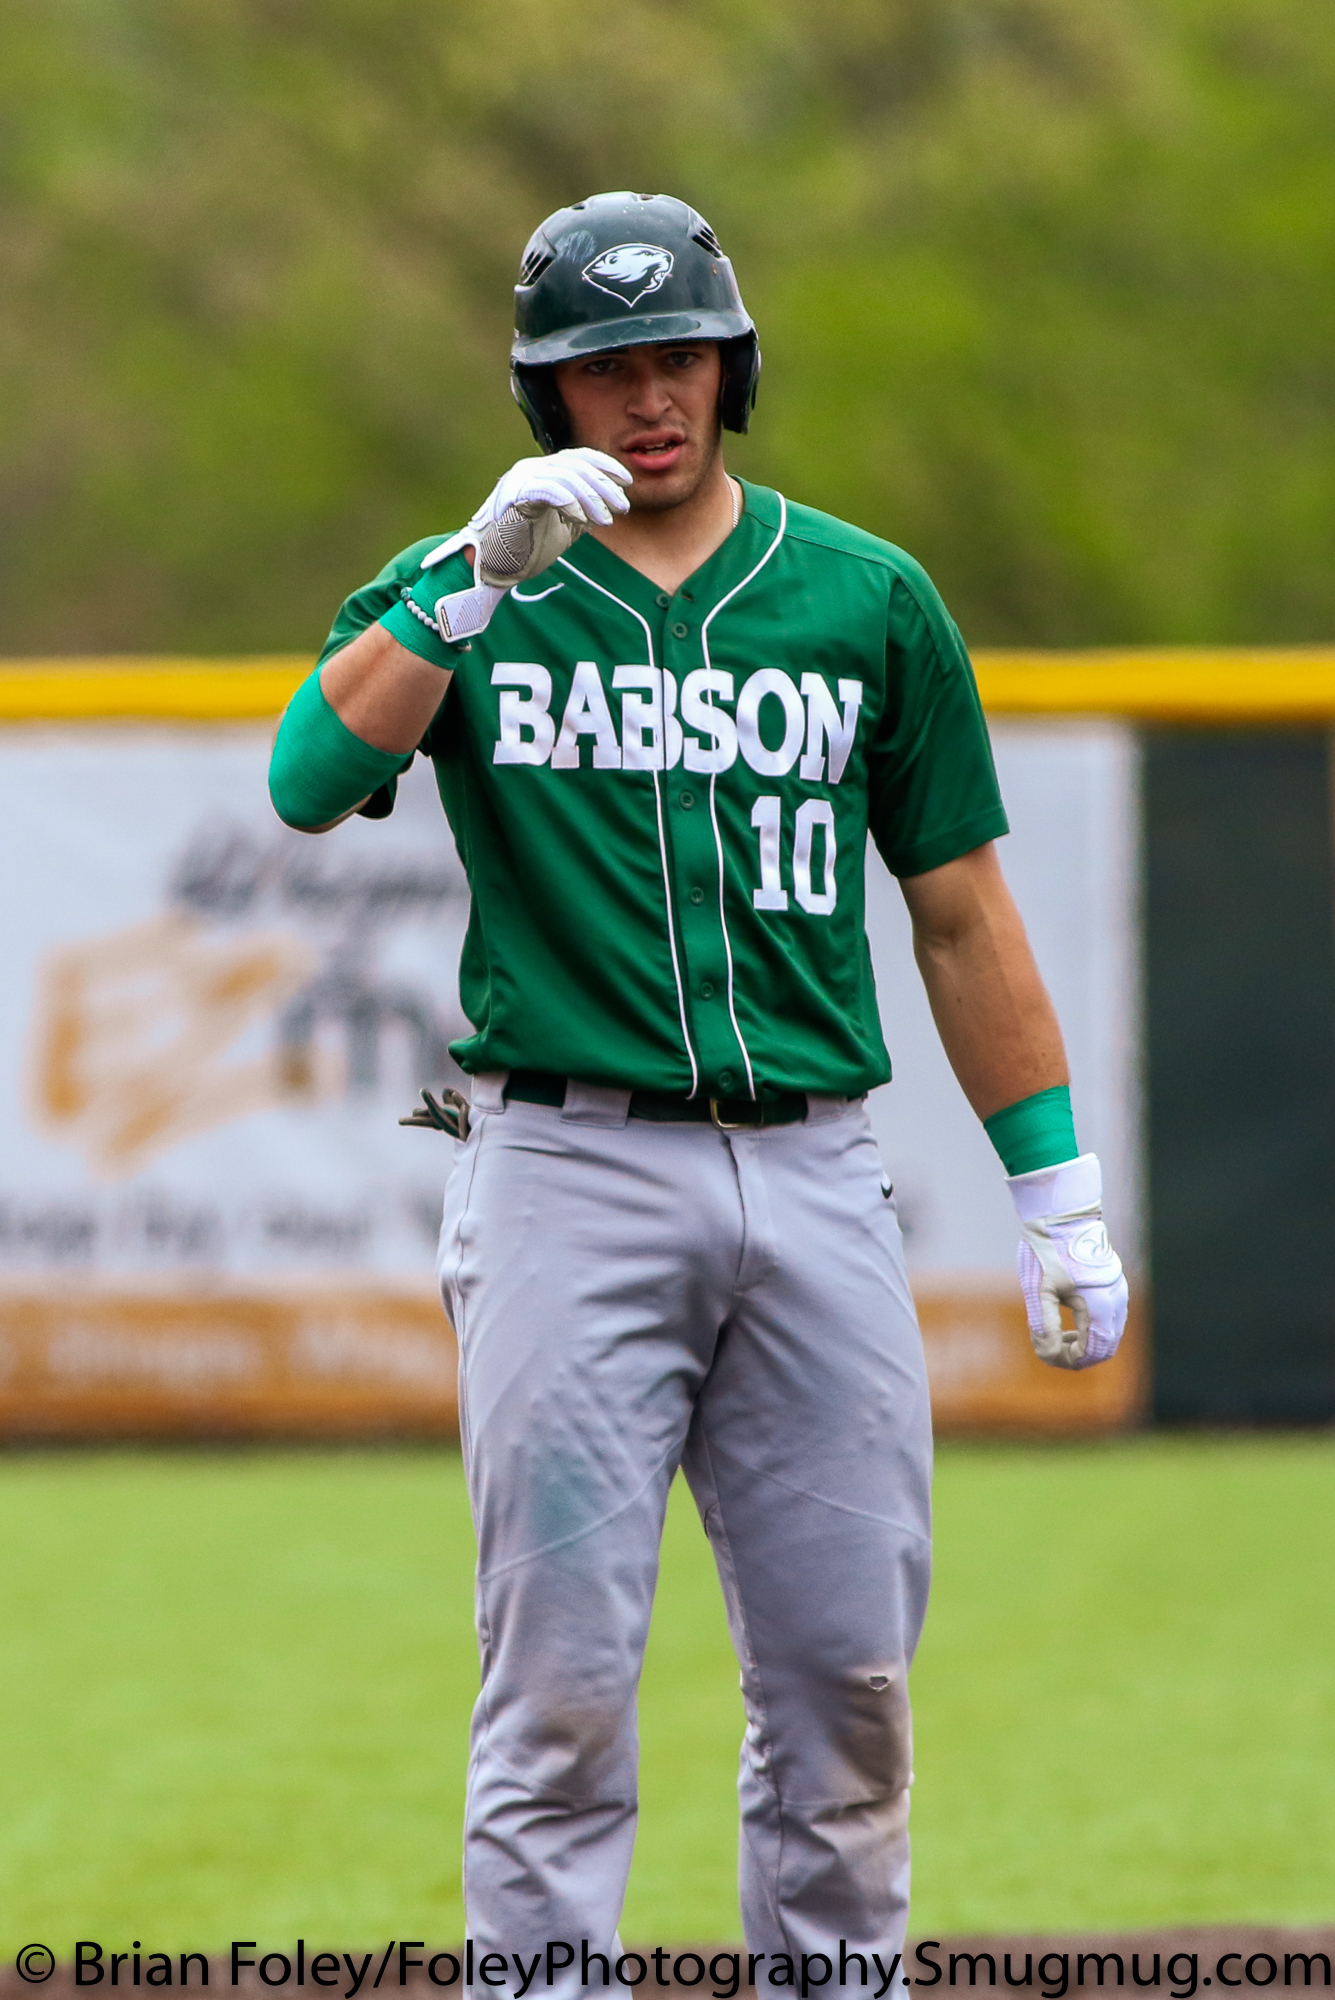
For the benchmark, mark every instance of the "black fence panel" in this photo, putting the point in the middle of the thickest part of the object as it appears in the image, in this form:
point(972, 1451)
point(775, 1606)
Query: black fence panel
point(1240, 1034)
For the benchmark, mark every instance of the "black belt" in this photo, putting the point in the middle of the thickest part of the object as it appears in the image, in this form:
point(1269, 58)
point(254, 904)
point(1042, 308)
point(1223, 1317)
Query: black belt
point(542, 1086)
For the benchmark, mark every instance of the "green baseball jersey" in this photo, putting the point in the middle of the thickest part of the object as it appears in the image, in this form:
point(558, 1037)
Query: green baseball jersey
point(662, 799)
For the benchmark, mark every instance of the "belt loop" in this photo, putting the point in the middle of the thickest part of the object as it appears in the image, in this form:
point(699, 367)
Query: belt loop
point(594, 1104)
point(823, 1110)
point(489, 1090)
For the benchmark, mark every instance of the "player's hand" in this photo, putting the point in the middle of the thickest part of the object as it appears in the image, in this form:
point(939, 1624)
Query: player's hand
point(1066, 1260)
point(541, 506)
point(531, 516)
point(537, 510)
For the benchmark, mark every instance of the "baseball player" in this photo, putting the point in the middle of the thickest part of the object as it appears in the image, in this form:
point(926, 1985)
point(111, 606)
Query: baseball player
point(665, 708)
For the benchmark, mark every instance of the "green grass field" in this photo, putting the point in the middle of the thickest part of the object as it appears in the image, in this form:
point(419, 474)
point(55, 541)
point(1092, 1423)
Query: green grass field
point(236, 1688)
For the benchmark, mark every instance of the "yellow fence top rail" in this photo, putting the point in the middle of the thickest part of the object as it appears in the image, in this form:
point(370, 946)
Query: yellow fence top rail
point(1183, 684)
point(1233, 684)
point(109, 690)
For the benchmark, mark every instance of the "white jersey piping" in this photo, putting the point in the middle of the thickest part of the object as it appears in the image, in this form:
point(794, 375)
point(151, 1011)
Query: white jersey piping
point(658, 809)
point(713, 780)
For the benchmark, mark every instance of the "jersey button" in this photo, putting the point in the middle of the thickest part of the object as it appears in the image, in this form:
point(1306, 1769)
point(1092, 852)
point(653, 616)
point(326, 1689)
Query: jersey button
point(697, 895)
point(663, 600)
point(686, 800)
point(680, 631)
point(706, 989)
point(726, 1079)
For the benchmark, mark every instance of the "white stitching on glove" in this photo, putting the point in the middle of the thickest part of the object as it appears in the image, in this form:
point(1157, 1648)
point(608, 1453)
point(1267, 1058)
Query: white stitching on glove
point(1065, 1259)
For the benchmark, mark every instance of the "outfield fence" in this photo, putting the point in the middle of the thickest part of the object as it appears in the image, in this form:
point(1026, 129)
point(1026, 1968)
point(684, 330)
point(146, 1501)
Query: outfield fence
point(212, 1224)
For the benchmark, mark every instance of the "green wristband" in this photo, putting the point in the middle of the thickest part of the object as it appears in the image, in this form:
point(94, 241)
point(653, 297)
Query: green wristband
point(1037, 1132)
point(319, 770)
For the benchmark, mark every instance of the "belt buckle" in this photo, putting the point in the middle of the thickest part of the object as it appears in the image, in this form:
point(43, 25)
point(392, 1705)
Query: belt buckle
point(730, 1125)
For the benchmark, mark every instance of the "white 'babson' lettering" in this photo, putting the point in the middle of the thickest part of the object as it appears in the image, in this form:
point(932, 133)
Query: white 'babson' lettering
point(587, 714)
point(770, 681)
point(653, 736)
point(518, 713)
point(826, 725)
point(646, 717)
point(699, 712)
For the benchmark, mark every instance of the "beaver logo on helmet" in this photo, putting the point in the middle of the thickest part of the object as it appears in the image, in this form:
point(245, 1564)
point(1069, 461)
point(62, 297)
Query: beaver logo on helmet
point(630, 271)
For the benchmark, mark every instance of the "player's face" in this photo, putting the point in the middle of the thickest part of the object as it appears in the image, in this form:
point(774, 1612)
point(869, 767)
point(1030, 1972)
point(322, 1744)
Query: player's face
point(656, 409)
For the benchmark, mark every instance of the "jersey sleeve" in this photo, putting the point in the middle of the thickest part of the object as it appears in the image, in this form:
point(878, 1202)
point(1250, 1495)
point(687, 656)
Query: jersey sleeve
point(933, 792)
point(411, 619)
point(397, 580)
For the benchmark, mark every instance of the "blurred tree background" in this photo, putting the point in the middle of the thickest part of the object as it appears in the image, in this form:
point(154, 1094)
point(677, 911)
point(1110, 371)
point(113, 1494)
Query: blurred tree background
point(1045, 289)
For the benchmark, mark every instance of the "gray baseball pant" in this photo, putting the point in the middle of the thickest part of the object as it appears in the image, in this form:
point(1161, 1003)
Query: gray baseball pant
point(630, 1297)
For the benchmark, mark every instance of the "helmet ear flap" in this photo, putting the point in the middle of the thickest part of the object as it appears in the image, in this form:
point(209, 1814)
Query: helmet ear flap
point(741, 376)
point(535, 391)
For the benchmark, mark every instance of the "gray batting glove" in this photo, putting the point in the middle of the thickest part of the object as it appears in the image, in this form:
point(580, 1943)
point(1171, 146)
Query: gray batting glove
point(1065, 1259)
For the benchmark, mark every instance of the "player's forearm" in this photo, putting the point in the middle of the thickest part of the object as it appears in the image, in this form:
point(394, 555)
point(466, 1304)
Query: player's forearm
point(383, 693)
point(320, 770)
point(991, 1008)
point(995, 1020)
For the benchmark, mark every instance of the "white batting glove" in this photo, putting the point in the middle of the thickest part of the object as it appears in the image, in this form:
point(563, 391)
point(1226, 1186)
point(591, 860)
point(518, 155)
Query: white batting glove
point(1065, 1259)
point(532, 515)
point(540, 507)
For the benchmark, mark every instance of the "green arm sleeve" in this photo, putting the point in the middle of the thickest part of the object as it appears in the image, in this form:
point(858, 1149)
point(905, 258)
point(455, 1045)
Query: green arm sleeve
point(319, 770)
point(1037, 1132)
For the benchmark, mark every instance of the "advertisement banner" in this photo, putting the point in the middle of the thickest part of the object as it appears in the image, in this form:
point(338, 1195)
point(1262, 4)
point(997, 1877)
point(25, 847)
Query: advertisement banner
point(211, 1221)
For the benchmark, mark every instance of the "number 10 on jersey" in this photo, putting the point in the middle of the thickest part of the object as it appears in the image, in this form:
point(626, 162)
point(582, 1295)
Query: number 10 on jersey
point(767, 819)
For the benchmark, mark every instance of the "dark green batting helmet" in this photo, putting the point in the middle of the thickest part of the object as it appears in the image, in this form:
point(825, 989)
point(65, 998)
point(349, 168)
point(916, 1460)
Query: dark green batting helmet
point(619, 270)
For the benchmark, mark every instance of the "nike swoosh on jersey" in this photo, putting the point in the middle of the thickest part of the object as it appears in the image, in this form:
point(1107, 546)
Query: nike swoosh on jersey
point(536, 596)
